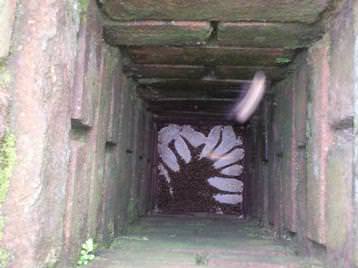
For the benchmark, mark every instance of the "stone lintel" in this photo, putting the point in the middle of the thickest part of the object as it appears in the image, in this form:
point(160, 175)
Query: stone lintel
point(161, 33)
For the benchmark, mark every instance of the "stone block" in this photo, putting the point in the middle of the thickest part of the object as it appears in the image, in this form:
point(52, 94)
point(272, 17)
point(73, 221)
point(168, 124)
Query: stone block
point(165, 71)
point(339, 202)
point(341, 70)
point(113, 121)
point(306, 11)
point(211, 56)
point(87, 76)
point(318, 140)
point(161, 33)
point(7, 15)
point(285, 154)
point(114, 106)
point(301, 87)
point(254, 34)
point(77, 199)
point(248, 72)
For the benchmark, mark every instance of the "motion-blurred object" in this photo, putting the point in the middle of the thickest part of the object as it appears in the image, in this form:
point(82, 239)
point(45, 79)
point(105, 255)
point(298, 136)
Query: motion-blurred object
point(245, 107)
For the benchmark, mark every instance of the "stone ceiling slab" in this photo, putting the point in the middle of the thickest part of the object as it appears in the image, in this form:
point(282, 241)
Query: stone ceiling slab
point(267, 35)
point(215, 106)
point(192, 85)
point(150, 93)
point(157, 33)
point(248, 72)
point(165, 71)
point(210, 56)
point(306, 11)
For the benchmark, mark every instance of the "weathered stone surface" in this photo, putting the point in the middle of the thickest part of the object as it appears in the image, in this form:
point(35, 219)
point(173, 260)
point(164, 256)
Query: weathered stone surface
point(205, 92)
point(206, 106)
point(355, 133)
point(301, 84)
point(341, 69)
point(43, 64)
point(339, 202)
point(283, 35)
point(77, 198)
point(210, 56)
point(7, 15)
point(87, 74)
point(165, 71)
point(212, 10)
point(5, 79)
point(282, 171)
point(185, 85)
point(248, 72)
point(160, 33)
point(110, 195)
point(114, 88)
point(319, 138)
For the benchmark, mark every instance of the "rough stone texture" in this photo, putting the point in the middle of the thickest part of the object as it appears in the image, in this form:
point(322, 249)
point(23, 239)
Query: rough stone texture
point(42, 62)
point(284, 182)
point(283, 35)
point(228, 10)
point(301, 85)
point(77, 193)
point(248, 72)
point(210, 56)
point(355, 133)
point(86, 76)
point(115, 102)
point(339, 202)
point(157, 33)
point(165, 71)
point(190, 242)
point(5, 96)
point(206, 92)
point(7, 16)
point(339, 162)
point(318, 138)
point(341, 62)
point(66, 124)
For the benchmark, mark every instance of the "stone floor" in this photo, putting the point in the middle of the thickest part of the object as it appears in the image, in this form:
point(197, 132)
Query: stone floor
point(186, 241)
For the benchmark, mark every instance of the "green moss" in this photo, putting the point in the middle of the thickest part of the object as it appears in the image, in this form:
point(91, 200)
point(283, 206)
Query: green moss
point(7, 163)
point(5, 76)
point(2, 225)
point(4, 258)
point(83, 4)
point(282, 60)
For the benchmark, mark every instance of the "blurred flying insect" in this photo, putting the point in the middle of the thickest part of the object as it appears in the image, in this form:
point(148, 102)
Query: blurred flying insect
point(246, 106)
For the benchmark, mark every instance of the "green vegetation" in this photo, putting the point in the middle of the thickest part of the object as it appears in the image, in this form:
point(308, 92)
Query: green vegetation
point(83, 6)
point(87, 254)
point(282, 60)
point(5, 76)
point(4, 258)
point(201, 259)
point(7, 163)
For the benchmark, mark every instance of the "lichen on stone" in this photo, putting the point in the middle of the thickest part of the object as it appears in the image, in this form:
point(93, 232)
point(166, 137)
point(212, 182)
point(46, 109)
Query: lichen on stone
point(282, 60)
point(7, 163)
point(5, 76)
point(4, 258)
point(83, 6)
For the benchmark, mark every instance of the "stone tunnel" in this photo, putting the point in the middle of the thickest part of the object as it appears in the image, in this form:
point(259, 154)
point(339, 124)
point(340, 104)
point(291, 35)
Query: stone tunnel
point(117, 142)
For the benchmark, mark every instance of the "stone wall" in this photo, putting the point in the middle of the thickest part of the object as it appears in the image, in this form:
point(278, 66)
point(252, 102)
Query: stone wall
point(355, 131)
point(311, 144)
point(69, 109)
